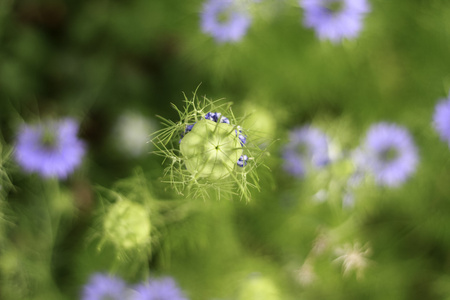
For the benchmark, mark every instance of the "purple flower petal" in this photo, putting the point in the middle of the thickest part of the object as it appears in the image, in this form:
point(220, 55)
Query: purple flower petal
point(159, 289)
point(441, 119)
point(103, 286)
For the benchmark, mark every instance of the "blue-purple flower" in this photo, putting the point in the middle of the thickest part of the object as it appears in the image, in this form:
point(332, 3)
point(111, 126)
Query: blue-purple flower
point(51, 149)
point(159, 289)
point(225, 20)
point(103, 286)
point(390, 154)
point(307, 150)
point(335, 19)
point(441, 119)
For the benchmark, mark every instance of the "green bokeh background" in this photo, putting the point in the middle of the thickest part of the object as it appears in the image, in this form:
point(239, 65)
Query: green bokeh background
point(95, 59)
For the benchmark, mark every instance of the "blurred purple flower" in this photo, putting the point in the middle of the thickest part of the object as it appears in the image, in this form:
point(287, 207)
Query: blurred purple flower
point(51, 149)
point(306, 150)
point(390, 153)
point(441, 119)
point(335, 19)
point(103, 286)
point(225, 20)
point(159, 289)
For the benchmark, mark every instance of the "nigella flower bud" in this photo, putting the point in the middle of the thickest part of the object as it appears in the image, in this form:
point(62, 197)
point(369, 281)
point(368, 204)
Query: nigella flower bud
point(127, 225)
point(211, 149)
point(210, 156)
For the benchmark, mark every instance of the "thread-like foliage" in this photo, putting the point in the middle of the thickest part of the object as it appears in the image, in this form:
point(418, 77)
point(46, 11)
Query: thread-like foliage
point(194, 183)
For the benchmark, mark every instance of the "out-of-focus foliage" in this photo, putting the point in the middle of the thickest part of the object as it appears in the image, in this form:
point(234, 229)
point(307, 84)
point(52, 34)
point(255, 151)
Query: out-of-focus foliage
point(328, 235)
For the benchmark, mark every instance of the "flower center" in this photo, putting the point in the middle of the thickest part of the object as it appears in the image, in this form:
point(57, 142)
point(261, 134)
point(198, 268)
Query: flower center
point(389, 154)
point(224, 16)
point(334, 6)
point(48, 138)
point(302, 149)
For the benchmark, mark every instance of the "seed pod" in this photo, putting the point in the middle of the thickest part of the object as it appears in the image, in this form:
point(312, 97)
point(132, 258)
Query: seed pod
point(127, 224)
point(207, 152)
point(211, 149)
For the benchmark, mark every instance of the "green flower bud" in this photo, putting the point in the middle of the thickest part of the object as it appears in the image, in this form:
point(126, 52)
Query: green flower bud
point(208, 153)
point(211, 150)
point(127, 224)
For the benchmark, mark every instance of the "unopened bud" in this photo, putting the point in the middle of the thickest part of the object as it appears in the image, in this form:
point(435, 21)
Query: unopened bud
point(127, 224)
point(211, 149)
